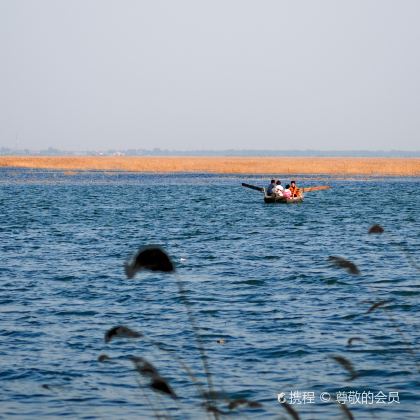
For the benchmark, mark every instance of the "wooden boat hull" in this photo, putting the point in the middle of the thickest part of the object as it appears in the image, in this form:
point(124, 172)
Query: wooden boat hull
point(282, 200)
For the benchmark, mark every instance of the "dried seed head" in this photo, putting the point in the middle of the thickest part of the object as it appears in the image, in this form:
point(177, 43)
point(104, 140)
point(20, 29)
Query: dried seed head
point(346, 364)
point(242, 401)
point(351, 339)
point(235, 403)
point(149, 258)
point(254, 404)
point(103, 358)
point(159, 384)
point(376, 229)
point(121, 331)
point(213, 409)
point(377, 305)
point(346, 410)
point(144, 367)
point(346, 264)
point(292, 412)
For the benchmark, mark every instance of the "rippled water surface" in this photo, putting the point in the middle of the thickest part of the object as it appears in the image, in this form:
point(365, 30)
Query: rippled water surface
point(256, 275)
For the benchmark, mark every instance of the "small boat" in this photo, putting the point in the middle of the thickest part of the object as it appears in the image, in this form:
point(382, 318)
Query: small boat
point(284, 200)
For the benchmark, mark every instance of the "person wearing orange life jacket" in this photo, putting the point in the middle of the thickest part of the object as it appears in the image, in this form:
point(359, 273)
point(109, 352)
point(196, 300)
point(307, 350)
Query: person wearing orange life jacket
point(294, 189)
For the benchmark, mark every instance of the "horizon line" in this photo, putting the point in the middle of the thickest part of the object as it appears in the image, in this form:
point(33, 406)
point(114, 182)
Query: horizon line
point(230, 151)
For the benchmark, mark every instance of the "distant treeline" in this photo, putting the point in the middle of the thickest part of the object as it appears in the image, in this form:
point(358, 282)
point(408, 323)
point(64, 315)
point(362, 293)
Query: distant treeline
point(4, 151)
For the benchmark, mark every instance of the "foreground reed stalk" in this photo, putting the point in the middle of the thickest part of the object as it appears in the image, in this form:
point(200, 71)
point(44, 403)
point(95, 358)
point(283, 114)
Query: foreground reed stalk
point(198, 340)
point(155, 259)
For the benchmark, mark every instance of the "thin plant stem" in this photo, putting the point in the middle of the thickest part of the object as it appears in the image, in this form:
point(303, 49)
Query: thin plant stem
point(199, 341)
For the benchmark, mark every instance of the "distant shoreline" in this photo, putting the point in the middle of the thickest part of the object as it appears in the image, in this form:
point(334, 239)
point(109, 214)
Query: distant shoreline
point(374, 166)
point(250, 153)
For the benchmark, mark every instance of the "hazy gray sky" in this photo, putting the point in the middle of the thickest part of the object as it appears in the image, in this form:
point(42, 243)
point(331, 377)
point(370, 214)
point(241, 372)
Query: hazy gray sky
point(178, 74)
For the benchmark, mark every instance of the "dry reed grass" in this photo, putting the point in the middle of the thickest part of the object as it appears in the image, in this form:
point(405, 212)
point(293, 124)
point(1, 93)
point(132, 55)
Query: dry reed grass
point(234, 165)
point(155, 259)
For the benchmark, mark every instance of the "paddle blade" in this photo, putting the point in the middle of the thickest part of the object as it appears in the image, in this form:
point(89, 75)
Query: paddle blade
point(253, 187)
point(318, 188)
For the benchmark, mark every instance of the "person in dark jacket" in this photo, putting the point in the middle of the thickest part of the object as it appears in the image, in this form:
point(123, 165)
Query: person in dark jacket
point(271, 187)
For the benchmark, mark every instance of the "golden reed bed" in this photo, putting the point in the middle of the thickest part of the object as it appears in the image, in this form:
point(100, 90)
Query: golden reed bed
point(223, 165)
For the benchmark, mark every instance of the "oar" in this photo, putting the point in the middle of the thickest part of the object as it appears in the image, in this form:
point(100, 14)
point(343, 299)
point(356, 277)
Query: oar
point(253, 187)
point(319, 188)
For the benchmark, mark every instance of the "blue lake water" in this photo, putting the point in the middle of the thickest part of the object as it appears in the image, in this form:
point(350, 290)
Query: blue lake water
point(257, 276)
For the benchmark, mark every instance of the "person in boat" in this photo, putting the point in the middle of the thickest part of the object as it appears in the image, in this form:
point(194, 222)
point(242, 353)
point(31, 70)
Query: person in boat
point(278, 190)
point(287, 193)
point(271, 187)
point(294, 189)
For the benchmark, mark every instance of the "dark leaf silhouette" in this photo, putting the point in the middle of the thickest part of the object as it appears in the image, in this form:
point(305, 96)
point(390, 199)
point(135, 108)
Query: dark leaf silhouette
point(149, 258)
point(376, 229)
point(346, 364)
point(377, 305)
point(351, 339)
point(346, 264)
point(159, 384)
point(144, 367)
point(121, 331)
